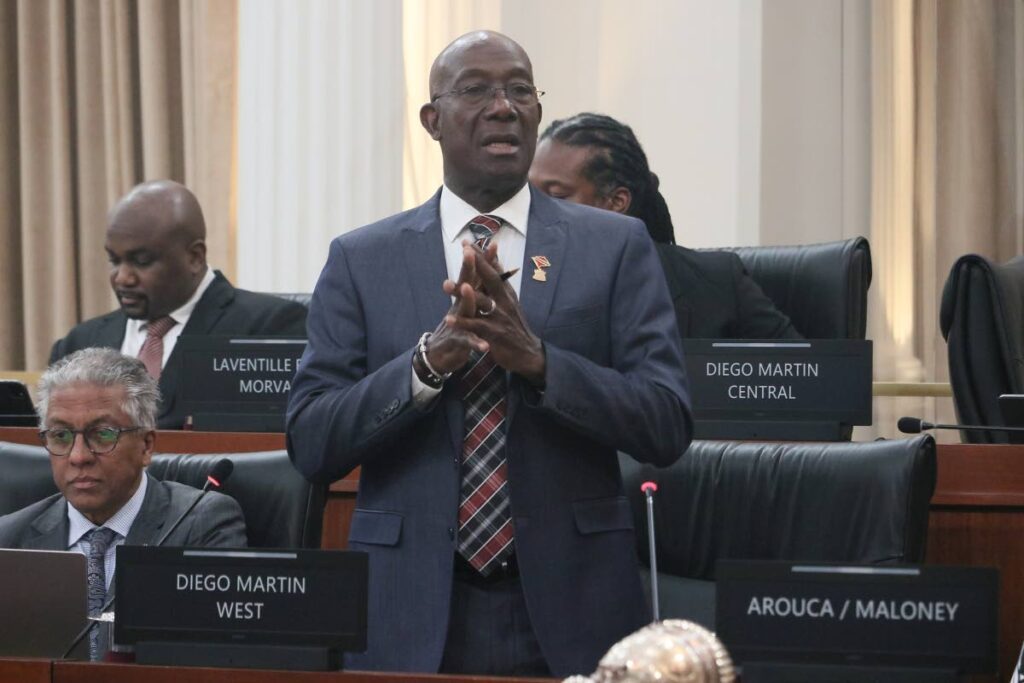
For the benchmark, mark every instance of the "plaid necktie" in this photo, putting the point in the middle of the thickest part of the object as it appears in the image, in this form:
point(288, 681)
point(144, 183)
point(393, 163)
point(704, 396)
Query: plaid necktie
point(485, 516)
point(99, 541)
point(152, 352)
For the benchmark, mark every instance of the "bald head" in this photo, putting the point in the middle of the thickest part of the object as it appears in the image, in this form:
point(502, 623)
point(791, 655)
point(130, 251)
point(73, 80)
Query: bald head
point(454, 57)
point(166, 205)
point(156, 243)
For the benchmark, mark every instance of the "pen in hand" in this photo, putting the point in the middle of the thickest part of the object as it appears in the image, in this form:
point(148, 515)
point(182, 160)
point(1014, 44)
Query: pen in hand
point(507, 275)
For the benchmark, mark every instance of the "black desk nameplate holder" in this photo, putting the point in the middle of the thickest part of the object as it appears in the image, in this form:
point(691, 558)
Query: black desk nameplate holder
point(800, 390)
point(274, 609)
point(823, 623)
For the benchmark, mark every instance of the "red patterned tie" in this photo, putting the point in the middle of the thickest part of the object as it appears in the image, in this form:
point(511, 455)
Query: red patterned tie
point(485, 516)
point(152, 353)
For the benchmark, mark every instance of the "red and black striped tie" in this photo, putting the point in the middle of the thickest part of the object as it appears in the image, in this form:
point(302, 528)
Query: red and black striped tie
point(485, 515)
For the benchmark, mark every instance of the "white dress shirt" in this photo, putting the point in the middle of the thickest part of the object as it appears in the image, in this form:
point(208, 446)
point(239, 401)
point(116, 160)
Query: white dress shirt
point(511, 240)
point(121, 523)
point(135, 330)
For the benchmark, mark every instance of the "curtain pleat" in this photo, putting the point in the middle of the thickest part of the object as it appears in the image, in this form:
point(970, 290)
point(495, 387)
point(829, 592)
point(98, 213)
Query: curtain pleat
point(95, 97)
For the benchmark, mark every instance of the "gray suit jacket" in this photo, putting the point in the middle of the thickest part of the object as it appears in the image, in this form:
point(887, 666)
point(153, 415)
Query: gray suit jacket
point(216, 521)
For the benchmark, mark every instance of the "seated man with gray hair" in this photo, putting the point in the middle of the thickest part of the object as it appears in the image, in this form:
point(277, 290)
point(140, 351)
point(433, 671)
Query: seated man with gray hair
point(97, 412)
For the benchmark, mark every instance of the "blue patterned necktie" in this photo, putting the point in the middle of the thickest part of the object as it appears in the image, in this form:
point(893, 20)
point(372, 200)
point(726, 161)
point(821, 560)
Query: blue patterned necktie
point(485, 516)
point(99, 541)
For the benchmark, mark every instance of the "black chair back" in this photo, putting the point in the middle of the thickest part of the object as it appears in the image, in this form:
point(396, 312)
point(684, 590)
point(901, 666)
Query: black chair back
point(814, 502)
point(281, 508)
point(982, 320)
point(842, 502)
point(823, 288)
point(25, 476)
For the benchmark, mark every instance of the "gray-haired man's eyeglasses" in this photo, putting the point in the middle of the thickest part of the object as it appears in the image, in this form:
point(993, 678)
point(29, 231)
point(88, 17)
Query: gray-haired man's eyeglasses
point(60, 441)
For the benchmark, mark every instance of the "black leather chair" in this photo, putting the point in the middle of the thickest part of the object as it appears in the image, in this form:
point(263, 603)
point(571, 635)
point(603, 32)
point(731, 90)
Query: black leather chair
point(982, 320)
point(282, 509)
point(814, 502)
point(823, 288)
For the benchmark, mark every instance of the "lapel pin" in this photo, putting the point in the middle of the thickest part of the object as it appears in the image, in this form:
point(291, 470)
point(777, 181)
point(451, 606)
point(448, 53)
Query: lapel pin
point(539, 263)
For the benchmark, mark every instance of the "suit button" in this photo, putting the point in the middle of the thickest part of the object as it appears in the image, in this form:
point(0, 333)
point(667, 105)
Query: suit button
point(451, 534)
point(394, 405)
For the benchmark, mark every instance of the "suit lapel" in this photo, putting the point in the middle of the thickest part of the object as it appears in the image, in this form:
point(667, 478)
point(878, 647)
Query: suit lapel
point(545, 236)
point(51, 527)
point(152, 515)
point(208, 311)
point(110, 332)
point(426, 268)
point(676, 289)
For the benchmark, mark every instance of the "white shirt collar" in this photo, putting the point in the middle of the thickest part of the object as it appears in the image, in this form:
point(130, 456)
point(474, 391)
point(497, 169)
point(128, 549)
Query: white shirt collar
point(181, 315)
point(121, 521)
point(456, 212)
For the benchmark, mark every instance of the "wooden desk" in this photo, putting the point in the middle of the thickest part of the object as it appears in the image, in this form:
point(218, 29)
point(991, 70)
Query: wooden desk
point(26, 671)
point(45, 671)
point(172, 441)
point(977, 518)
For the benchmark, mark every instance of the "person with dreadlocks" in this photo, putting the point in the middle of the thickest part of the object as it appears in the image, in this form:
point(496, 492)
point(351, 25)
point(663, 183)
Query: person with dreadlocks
point(594, 159)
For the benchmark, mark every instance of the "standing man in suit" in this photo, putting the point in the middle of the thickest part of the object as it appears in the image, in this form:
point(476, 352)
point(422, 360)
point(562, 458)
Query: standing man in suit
point(485, 408)
point(156, 243)
point(595, 160)
point(97, 412)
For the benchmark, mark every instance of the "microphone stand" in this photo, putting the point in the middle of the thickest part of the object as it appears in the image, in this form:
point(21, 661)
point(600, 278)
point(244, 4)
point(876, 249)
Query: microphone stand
point(649, 487)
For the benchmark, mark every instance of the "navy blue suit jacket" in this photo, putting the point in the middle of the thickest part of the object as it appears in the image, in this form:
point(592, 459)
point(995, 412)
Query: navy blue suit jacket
point(614, 381)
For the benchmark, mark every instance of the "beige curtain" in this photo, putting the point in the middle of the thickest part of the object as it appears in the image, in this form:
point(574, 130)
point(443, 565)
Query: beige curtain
point(969, 139)
point(947, 170)
point(96, 96)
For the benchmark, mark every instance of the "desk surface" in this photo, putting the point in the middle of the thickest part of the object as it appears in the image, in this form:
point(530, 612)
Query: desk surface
point(176, 441)
point(45, 671)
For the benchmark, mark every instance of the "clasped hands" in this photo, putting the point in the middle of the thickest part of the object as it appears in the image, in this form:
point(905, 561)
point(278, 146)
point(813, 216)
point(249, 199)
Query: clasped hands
point(486, 316)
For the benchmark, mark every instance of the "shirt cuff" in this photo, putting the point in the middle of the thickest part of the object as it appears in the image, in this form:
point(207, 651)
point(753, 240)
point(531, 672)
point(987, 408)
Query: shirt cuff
point(422, 394)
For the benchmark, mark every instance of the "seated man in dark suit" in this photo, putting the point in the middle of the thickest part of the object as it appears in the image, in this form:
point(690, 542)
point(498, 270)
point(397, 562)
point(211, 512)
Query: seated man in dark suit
point(157, 249)
point(97, 411)
point(593, 159)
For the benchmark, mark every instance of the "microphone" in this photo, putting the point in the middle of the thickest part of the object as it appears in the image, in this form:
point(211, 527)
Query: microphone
point(915, 425)
point(216, 478)
point(219, 474)
point(648, 488)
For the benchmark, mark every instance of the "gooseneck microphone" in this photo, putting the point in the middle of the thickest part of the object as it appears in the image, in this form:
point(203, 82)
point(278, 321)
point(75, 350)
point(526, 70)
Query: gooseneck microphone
point(649, 487)
point(218, 474)
point(915, 425)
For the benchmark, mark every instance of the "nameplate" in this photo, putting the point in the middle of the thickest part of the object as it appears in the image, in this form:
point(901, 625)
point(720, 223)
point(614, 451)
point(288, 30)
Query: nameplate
point(288, 597)
point(221, 377)
point(735, 386)
point(932, 617)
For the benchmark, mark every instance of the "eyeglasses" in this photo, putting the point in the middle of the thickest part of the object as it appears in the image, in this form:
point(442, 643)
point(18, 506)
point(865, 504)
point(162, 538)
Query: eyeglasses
point(99, 440)
point(519, 93)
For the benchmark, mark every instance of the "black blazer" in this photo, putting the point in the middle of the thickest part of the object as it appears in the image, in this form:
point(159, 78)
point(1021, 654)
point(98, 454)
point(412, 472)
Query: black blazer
point(715, 297)
point(222, 309)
